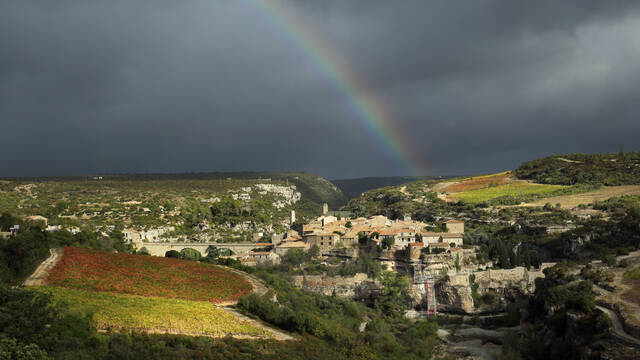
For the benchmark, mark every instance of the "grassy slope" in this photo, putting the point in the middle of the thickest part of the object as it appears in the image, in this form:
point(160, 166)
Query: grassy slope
point(513, 189)
point(152, 314)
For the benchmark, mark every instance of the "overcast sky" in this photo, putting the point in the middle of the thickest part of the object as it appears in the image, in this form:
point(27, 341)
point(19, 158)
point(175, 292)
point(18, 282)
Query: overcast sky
point(179, 86)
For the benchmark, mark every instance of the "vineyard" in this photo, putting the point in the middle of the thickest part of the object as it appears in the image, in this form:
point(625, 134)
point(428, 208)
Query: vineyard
point(92, 270)
point(520, 190)
point(479, 182)
point(152, 314)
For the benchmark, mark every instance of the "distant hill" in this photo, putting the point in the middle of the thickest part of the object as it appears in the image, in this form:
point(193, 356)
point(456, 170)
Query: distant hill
point(572, 179)
point(314, 188)
point(356, 187)
point(596, 169)
point(183, 201)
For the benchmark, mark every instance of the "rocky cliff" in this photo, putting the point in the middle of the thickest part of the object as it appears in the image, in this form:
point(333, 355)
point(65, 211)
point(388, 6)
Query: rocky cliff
point(358, 286)
point(452, 292)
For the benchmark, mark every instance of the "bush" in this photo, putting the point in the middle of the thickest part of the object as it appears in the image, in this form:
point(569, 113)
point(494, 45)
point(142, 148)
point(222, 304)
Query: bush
point(190, 254)
point(609, 259)
point(623, 263)
point(172, 254)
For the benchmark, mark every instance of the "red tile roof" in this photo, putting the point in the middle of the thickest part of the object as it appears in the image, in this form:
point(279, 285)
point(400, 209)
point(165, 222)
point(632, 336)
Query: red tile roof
point(261, 253)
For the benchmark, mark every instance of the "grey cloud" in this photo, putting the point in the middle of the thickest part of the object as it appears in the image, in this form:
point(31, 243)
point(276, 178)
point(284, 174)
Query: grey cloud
point(136, 86)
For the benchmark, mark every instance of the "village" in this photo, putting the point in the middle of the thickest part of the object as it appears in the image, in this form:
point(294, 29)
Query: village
point(331, 234)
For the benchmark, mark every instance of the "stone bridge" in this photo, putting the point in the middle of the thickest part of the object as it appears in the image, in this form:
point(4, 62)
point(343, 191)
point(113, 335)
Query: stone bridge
point(159, 249)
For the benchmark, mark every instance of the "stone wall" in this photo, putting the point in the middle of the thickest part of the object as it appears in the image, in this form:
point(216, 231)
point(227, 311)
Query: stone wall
point(159, 249)
point(358, 286)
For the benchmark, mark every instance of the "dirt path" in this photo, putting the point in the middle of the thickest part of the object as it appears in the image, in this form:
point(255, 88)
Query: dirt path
point(630, 310)
point(618, 330)
point(571, 201)
point(38, 276)
point(258, 286)
point(276, 334)
point(569, 161)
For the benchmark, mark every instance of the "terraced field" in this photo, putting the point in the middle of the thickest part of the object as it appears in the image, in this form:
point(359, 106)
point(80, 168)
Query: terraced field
point(479, 182)
point(153, 295)
point(93, 270)
point(154, 314)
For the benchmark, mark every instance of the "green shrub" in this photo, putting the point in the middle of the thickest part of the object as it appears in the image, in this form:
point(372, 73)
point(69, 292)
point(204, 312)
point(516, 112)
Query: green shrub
point(190, 254)
point(172, 254)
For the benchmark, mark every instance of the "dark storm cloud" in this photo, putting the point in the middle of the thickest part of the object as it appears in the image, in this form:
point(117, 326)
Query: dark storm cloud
point(133, 86)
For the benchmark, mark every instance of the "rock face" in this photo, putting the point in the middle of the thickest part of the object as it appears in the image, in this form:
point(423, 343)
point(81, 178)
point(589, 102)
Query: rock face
point(517, 278)
point(453, 292)
point(454, 295)
point(358, 286)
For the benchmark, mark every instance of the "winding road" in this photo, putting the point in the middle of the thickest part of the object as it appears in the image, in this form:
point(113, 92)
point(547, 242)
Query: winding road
point(618, 329)
point(38, 276)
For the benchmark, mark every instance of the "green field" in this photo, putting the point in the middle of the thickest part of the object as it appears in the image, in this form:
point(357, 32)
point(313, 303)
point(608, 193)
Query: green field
point(151, 314)
point(516, 190)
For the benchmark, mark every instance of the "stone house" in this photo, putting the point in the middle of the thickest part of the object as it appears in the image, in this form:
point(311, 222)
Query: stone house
point(282, 248)
point(455, 226)
point(131, 235)
point(265, 257)
point(350, 239)
point(441, 238)
point(323, 240)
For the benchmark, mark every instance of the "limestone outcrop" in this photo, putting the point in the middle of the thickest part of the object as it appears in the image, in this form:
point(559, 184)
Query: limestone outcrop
point(453, 294)
point(358, 286)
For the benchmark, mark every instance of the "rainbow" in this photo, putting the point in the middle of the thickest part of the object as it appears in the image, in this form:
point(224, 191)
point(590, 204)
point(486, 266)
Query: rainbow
point(370, 110)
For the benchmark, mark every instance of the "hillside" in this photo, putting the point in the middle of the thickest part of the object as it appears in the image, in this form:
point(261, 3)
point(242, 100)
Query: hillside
point(178, 204)
point(599, 169)
point(568, 180)
point(356, 187)
point(93, 270)
point(150, 294)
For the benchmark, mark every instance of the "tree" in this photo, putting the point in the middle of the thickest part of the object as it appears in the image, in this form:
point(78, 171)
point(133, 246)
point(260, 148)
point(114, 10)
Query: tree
point(143, 251)
point(190, 254)
point(314, 252)
point(172, 254)
point(212, 252)
point(457, 262)
point(362, 239)
point(388, 242)
point(348, 225)
point(294, 257)
point(7, 220)
point(12, 349)
point(394, 297)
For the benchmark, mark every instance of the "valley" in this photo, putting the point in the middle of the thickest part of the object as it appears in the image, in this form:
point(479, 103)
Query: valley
point(489, 266)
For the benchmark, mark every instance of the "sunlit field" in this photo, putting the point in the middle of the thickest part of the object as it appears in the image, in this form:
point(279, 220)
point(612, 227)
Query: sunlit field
point(516, 190)
point(153, 314)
